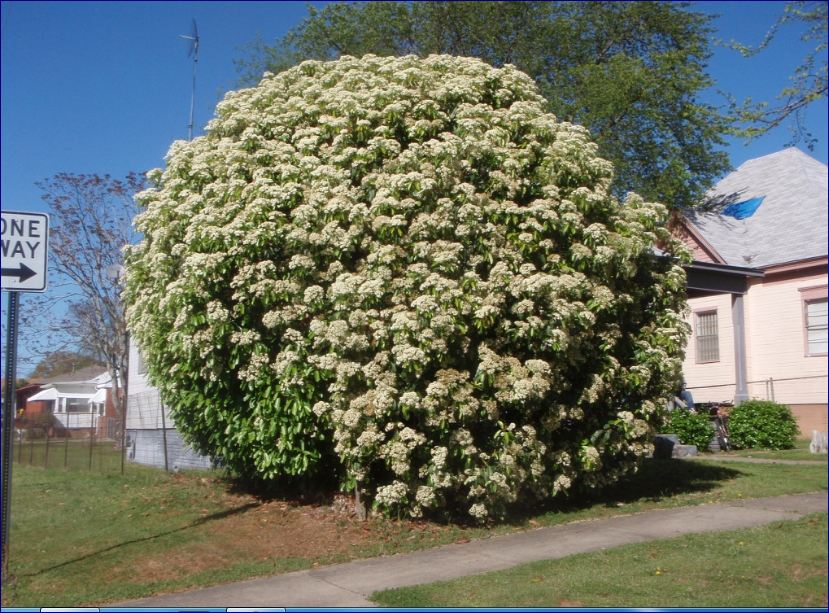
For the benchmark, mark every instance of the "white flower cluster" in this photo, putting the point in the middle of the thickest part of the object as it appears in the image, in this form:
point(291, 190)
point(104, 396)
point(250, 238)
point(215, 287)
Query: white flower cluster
point(408, 265)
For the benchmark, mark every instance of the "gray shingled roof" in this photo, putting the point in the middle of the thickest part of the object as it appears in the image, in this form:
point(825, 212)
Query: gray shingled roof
point(82, 374)
point(790, 224)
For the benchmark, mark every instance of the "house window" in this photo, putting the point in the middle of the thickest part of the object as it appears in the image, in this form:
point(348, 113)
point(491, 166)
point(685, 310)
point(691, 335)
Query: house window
point(816, 334)
point(77, 405)
point(708, 339)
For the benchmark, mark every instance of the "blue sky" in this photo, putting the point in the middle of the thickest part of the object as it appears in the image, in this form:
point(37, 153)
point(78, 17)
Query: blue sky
point(104, 87)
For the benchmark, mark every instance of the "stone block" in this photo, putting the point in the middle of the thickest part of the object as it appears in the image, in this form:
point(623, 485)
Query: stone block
point(684, 451)
point(663, 446)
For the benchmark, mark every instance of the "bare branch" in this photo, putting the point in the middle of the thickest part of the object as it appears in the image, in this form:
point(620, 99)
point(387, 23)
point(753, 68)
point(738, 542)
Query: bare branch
point(91, 223)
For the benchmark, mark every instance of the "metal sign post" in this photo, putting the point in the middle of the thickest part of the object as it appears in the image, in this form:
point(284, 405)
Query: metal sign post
point(9, 398)
point(25, 243)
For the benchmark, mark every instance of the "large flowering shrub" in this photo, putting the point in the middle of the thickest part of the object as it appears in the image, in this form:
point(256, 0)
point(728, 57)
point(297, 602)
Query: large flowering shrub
point(409, 267)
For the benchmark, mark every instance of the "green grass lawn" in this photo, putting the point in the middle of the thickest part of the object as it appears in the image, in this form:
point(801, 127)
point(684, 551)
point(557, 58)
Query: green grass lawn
point(800, 452)
point(674, 483)
point(68, 453)
point(780, 565)
point(83, 537)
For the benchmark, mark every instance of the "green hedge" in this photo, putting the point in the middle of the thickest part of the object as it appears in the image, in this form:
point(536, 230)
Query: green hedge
point(691, 428)
point(762, 424)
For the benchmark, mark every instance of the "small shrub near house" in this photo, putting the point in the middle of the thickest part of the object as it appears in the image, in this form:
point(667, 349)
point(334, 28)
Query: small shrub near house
point(762, 424)
point(406, 273)
point(39, 425)
point(691, 428)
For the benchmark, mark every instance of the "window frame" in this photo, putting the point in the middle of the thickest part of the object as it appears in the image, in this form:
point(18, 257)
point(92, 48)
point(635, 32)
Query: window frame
point(697, 354)
point(80, 403)
point(810, 295)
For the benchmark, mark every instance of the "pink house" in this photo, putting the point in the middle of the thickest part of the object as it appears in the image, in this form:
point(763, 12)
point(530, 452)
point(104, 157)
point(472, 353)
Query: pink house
point(762, 332)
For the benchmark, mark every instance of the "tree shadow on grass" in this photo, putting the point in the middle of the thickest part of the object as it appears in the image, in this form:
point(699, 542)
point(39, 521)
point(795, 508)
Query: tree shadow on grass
point(658, 479)
point(655, 481)
point(198, 522)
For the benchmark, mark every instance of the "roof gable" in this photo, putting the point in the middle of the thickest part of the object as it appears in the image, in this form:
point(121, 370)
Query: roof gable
point(787, 191)
point(701, 249)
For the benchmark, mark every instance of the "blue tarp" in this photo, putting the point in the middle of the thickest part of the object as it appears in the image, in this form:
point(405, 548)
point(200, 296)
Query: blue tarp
point(744, 209)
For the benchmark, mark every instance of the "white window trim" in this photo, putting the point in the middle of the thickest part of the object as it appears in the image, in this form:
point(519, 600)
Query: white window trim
point(807, 296)
point(697, 314)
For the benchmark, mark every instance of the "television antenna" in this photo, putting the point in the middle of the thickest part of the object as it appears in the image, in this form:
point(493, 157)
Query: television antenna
point(193, 52)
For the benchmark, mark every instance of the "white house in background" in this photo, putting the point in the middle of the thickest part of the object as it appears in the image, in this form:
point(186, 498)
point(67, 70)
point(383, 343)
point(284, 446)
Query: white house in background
point(765, 335)
point(152, 438)
point(79, 403)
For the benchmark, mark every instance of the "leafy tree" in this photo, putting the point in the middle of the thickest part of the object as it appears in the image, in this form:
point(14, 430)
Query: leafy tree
point(405, 272)
point(59, 362)
point(628, 71)
point(90, 224)
point(808, 83)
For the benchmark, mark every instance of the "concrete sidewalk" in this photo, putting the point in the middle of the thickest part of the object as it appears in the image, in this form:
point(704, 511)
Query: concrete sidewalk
point(349, 585)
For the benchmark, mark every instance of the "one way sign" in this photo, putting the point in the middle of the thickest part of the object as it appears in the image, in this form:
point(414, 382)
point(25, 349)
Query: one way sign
point(25, 250)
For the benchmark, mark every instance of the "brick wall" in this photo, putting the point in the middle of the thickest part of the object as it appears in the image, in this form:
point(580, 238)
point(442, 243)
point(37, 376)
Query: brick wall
point(810, 417)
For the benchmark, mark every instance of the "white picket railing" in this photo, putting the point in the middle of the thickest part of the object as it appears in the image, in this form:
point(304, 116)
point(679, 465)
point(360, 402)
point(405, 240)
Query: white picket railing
point(77, 420)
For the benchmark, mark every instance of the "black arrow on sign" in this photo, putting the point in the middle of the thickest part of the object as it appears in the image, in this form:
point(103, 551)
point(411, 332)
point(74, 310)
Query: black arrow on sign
point(23, 273)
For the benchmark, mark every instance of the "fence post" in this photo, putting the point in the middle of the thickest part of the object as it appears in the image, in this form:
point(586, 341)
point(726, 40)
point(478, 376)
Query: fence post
point(771, 386)
point(65, 448)
point(46, 459)
point(124, 408)
point(91, 443)
point(31, 449)
point(164, 437)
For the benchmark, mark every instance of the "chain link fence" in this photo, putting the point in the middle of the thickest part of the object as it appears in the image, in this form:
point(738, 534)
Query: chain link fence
point(93, 442)
point(153, 440)
point(805, 395)
point(93, 449)
point(788, 390)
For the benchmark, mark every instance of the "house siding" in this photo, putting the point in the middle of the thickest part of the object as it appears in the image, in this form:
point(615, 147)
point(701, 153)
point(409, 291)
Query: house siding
point(777, 341)
point(777, 365)
point(148, 421)
point(138, 381)
point(711, 381)
point(699, 252)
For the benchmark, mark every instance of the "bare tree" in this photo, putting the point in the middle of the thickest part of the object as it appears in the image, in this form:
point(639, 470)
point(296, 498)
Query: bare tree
point(91, 222)
point(807, 85)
